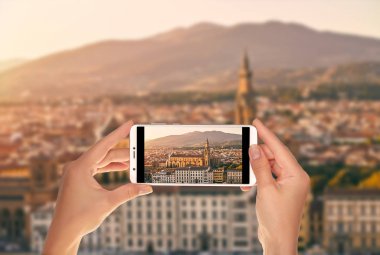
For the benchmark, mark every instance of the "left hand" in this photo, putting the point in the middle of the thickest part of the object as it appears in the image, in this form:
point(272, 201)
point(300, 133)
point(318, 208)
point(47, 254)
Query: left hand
point(82, 203)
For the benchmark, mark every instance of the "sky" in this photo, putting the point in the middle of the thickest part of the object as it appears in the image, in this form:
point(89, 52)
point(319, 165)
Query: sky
point(153, 132)
point(31, 29)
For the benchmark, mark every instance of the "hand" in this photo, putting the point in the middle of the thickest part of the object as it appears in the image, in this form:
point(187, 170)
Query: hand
point(279, 201)
point(82, 203)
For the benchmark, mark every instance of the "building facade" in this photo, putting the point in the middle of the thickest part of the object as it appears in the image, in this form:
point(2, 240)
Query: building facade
point(173, 220)
point(183, 160)
point(352, 222)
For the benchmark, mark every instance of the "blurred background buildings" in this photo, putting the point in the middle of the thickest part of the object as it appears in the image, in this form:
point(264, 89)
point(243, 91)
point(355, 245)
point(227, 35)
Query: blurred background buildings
point(319, 91)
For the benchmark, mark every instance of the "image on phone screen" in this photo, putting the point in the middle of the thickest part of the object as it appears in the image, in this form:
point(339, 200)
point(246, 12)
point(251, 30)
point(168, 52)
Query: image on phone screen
point(193, 154)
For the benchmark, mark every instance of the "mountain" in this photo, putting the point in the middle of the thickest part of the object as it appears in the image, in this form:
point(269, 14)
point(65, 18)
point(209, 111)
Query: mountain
point(205, 56)
point(195, 139)
point(10, 63)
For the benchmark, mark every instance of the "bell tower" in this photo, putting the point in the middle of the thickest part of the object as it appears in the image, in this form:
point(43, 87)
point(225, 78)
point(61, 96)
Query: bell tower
point(245, 108)
point(207, 153)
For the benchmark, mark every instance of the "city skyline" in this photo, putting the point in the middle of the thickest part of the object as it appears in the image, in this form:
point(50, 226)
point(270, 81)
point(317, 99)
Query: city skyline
point(85, 26)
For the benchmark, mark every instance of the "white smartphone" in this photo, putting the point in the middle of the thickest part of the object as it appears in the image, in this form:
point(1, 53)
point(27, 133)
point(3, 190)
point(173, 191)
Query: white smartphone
point(191, 155)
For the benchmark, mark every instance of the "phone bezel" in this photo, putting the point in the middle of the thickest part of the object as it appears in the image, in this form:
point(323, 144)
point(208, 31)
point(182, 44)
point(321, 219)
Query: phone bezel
point(134, 155)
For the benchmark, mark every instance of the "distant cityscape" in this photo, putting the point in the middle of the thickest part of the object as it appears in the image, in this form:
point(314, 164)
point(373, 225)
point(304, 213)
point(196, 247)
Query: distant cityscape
point(337, 142)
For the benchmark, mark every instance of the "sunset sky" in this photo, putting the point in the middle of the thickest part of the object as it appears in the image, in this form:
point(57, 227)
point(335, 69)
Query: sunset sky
point(30, 29)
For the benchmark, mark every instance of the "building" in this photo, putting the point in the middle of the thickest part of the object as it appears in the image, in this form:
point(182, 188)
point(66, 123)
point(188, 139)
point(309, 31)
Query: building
point(173, 219)
point(304, 233)
point(22, 189)
point(194, 175)
point(184, 160)
point(245, 104)
point(164, 177)
point(316, 221)
point(234, 176)
point(351, 221)
point(219, 175)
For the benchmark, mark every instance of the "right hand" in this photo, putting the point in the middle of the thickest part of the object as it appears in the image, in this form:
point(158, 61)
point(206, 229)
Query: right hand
point(280, 201)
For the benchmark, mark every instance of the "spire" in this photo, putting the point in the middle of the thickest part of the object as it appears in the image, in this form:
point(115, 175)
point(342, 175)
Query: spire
point(245, 62)
point(245, 74)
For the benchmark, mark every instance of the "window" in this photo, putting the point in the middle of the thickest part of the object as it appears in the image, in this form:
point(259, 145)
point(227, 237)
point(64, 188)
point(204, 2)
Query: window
point(130, 242)
point(224, 215)
point(240, 204)
point(170, 244)
point(184, 228)
point(363, 227)
point(149, 214)
point(215, 243)
point(139, 228)
point(193, 228)
point(184, 242)
point(240, 217)
point(215, 228)
point(140, 243)
point(130, 228)
point(241, 243)
point(373, 210)
point(149, 228)
point(224, 243)
point(169, 214)
point(214, 215)
point(363, 210)
point(193, 215)
point(169, 229)
point(159, 215)
point(204, 214)
point(340, 227)
point(204, 228)
point(240, 231)
point(184, 214)
point(159, 243)
point(159, 228)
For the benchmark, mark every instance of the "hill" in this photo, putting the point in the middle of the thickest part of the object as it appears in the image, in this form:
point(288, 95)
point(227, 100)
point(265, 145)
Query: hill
point(204, 56)
point(195, 139)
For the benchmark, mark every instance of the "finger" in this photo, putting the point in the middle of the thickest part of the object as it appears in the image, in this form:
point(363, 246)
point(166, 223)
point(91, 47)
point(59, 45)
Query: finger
point(267, 151)
point(113, 167)
point(101, 148)
point(127, 192)
point(281, 153)
point(260, 166)
point(245, 189)
point(114, 155)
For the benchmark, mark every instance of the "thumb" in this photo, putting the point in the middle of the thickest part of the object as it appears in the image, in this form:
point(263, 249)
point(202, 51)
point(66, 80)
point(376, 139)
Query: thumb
point(260, 166)
point(128, 192)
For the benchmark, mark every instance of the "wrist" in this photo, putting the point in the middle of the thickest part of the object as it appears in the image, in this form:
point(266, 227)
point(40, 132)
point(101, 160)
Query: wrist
point(61, 241)
point(280, 247)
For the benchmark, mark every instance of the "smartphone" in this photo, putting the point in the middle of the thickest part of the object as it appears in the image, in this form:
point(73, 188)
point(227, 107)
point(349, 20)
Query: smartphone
point(191, 155)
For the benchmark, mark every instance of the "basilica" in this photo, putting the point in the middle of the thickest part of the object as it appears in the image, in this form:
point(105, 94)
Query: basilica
point(184, 160)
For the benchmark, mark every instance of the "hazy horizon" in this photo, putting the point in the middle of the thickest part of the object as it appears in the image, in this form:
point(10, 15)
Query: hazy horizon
point(31, 30)
point(155, 132)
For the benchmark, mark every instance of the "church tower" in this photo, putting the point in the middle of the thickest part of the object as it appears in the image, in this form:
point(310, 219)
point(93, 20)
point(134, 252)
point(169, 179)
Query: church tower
point(207, 153)
point(245, 108)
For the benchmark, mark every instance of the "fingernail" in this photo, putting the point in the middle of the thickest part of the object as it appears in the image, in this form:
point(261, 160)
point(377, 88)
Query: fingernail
point(254, 152)
point(145, 189)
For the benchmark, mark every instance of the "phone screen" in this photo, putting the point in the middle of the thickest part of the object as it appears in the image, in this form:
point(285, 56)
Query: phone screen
point(193, 154)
